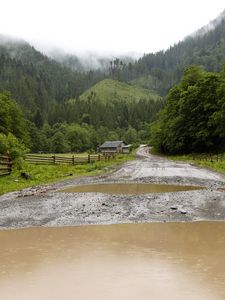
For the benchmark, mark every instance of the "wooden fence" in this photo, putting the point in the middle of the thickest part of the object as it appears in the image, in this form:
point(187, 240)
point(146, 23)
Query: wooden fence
point(73, 160)
point(5, 165)
point(212, 157)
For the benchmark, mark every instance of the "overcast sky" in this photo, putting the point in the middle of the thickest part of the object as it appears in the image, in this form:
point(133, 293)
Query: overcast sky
point(113, 26)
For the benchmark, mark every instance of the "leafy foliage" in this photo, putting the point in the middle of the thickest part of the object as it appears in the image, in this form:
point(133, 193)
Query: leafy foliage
point(192, 118)
point(9, 144)
point(12, 119)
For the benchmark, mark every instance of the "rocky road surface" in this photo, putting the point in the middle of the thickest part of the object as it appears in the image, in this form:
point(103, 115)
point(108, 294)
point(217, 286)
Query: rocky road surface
point(47, 206)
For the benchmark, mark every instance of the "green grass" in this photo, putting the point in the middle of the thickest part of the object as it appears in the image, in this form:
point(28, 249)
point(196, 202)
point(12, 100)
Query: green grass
point(144, 81)
point(215, 163)
point(42, 174)
point(202, 161)
point(109, 89)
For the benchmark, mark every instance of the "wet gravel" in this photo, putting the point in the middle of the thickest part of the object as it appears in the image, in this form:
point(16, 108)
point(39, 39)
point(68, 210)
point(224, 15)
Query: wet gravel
point(47, 206)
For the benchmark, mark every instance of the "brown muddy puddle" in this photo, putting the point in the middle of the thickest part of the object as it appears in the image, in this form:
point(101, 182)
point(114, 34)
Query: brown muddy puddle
point(179, 261)
point(129, 188)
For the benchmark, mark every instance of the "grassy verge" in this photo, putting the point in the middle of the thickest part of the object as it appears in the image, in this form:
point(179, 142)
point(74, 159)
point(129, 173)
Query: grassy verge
point(42, 174)
point(201, 161)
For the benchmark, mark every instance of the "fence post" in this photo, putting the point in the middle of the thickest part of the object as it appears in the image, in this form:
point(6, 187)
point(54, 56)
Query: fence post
point(89, 158)
point(99, 157)
point(73, 160)
point(53, 159)
point(9, 164)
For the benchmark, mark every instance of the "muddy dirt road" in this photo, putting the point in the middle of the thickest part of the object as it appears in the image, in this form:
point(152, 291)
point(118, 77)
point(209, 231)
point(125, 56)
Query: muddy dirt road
point(47, 206)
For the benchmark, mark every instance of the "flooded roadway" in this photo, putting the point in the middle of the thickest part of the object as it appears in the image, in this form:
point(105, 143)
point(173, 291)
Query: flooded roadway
point(129, 188)
point(130, 261)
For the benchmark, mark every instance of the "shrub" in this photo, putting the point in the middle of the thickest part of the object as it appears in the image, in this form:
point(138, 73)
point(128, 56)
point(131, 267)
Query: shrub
point(10, 145)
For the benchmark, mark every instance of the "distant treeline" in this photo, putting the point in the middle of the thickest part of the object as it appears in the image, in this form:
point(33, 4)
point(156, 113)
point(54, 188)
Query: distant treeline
point(18, 134)
point(112, 115)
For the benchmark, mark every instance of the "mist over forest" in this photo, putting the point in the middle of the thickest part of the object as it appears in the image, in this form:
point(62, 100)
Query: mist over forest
point(72, 102)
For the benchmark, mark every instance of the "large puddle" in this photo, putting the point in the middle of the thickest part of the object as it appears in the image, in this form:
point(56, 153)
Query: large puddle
point(129, 188)
point(179, 261)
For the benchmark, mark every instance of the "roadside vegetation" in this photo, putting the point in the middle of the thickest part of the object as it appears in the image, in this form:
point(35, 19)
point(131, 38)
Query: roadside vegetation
point(43, 174)
point(213, 162)
point(193, 120)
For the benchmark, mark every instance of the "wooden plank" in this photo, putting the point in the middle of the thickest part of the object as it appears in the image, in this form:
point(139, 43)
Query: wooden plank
point(48, 157)
point(37, 156)
point(4, 157)
point(63, 159)
point(38, 159)
point(41, 163)
point(3, 169)
point(6, 163)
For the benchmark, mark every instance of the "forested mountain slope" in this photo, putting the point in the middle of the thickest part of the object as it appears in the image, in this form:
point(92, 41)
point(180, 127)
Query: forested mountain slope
point(112, 104)
point(108, 89)
point(160, 71)
point(35, 80)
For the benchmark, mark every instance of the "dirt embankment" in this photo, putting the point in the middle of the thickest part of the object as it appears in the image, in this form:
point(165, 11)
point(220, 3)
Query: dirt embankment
point(47, 206)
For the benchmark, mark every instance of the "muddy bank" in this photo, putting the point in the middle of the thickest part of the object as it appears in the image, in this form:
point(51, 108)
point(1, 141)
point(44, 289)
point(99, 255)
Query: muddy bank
point(47, 206)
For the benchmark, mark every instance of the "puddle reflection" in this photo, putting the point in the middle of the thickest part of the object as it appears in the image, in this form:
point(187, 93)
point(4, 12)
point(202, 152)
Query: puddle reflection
point(131, 261)
point(129, 188)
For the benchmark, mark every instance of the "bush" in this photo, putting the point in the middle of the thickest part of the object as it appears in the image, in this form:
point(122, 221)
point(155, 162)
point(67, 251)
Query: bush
point(10, 145)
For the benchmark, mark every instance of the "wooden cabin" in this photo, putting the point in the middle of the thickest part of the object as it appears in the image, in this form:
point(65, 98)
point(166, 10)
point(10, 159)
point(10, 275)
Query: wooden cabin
point(114, 147)
point(126, 149)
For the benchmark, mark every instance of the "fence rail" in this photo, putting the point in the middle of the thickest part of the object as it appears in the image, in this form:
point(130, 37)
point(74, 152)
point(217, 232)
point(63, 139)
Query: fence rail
point(212, 157)
point(5, 165)
point(73, 160)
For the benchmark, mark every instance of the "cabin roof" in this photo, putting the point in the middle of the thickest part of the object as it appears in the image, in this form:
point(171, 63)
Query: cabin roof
point(111, 144)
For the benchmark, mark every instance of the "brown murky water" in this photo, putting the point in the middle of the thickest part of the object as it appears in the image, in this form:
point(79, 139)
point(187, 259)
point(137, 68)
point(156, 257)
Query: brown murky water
point(129, 188)
point(136, 262)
